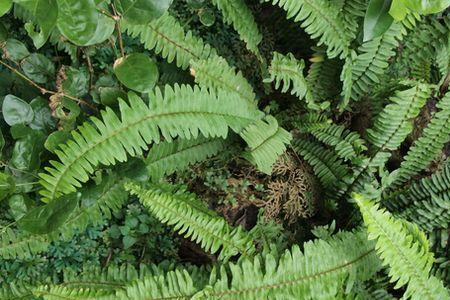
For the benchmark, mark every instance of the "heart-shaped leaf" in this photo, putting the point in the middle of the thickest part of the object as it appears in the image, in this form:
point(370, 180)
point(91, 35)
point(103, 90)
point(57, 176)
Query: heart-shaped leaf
point(16, 111)
point(137, 71)
point(377, 19)
point(142, 11)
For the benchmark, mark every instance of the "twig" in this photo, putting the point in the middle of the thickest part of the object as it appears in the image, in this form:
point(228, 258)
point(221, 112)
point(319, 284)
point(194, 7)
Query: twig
point(116, 17)
point(46, 91)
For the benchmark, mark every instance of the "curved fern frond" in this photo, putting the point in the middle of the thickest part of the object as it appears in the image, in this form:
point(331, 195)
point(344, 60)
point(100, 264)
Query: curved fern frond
point(21, 244)
point(429, 145)
point(215, 73)
point(404, 248)
point(394, 123)
point(166, 36)
point(167, 157)
point(426, 202)
point(287, 71)
point(266, 141)
point(327, 166)
point(16, 290)
point(320, 19)
point(191, 218)
point(292, 277)
point(353, 12)
point(239, 15)
point(183, 112)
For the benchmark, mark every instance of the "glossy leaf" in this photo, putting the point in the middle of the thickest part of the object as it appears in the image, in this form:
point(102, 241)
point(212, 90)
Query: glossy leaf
point(55, 139)
point(377, 19)
point(47, 218)
point(137, 71)
point(5, 6)
point(424, 7)
point(76, 82)
point(7, 185)
point(18, 205)
point(142, 11)
point(26, 152)
point(77, 20)
point(15, 50)
point(105, 27)
point(16, 111)
point(38, 68)
point(43, 119)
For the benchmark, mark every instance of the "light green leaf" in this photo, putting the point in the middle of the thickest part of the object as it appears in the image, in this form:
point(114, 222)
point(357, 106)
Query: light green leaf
point(423, 7)
point(142, 11)
point(5, 6)
point(77, 20)
point(16, 111)
point(377, 19)
point(7, 185)
point(137, 71)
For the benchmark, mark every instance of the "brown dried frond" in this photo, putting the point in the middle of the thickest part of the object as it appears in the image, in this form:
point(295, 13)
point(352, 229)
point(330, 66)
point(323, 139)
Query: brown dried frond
point(276, 192)
point(283, 165)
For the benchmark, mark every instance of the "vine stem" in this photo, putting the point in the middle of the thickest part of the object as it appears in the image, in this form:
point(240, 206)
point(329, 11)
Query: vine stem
point(116, 17)
point(44, 90)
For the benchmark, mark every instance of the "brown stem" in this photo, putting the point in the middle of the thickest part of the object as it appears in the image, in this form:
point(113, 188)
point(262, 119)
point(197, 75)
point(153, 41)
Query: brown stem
point(116, 17)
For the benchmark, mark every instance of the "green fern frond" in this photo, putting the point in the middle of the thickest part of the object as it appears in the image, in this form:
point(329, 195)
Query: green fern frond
point(353, 12)
point(166, 36)
point(404, 248)
point(320, 19)
point(287, 71)
point(327, 166)
point(429, 145)
point(239, 15)
point(426, 202)
point(394, 123)
point(191, 218)
point(21, 244)
point(215, 73)
point(183, 112)
point(309, 122)
point(266, 141)
point(323, 78)
point(16, 290)
point(167, 157)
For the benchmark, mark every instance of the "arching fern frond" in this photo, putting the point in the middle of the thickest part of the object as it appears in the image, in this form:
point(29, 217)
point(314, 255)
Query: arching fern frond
point(167, 157)
point(353, 12)
point(394, 123)
point(426, 202)
point(429, 145)
point(215, 73)
point(240, 17)
point(287, 71)
point(266, 141)
point(190, 217)
point(404, 248)
point(183, 112)
point(21, 244)
point(321, 20)
point(166, 36)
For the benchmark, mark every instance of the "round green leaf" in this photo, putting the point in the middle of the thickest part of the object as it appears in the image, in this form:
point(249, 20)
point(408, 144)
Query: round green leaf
point(16, 111)
point(77, 20)
point(142, 11)
point(137, 71)
point(7, 185)
point(377, 19)
point(15, 50)
point(38, 67)
point(55, 139)
point(49, 217)
point(196, 4)
point(207, 17)
point(109, 95)
point(103, 31)
point(5, 6)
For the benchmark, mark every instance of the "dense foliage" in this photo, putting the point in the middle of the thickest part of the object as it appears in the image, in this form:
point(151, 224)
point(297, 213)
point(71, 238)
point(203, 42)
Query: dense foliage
point(244, 149)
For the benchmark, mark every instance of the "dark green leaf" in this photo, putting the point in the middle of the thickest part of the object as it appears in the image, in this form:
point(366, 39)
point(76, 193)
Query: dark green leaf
point(16, 111)
point(38, 67)
point(47, 218)
point(105, 27)
point(77, 20)
point(207, 17)
point(77, 82)
point(55, 139)
point(15, 50)
point(19, 131)
point(2, 142)
point(128, 241)
point(109, 96)
point(3, 32)
point(142, 11)
point(196, 4)
point(137, 71)
point(27, 150)
point(18, 205)
point(5, 6)
point(43, 119)
point(377, 19)
point(7, 185)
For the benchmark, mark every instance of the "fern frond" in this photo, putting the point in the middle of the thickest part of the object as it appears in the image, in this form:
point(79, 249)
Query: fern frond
point(21, 244)
point(323, 78)
point(183, 112)
point(426, 202)
point(266, 141)
point(394, 123)
point(191, 218)
point(327, 166)
point(404, 248)
point(309, 122)
point(287, 71)
point(16, 290)
point(320, 19)
point(429, 145)
point(166, 36)
point(353, 12)
point(215, 73)
point(167, 157)
point(240, 17)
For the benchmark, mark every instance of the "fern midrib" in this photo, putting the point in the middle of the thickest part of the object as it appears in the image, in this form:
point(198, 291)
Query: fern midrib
point(403, 255)
point(272, 136)
point(119, 131)
point(93, 283)
point(193, 222)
